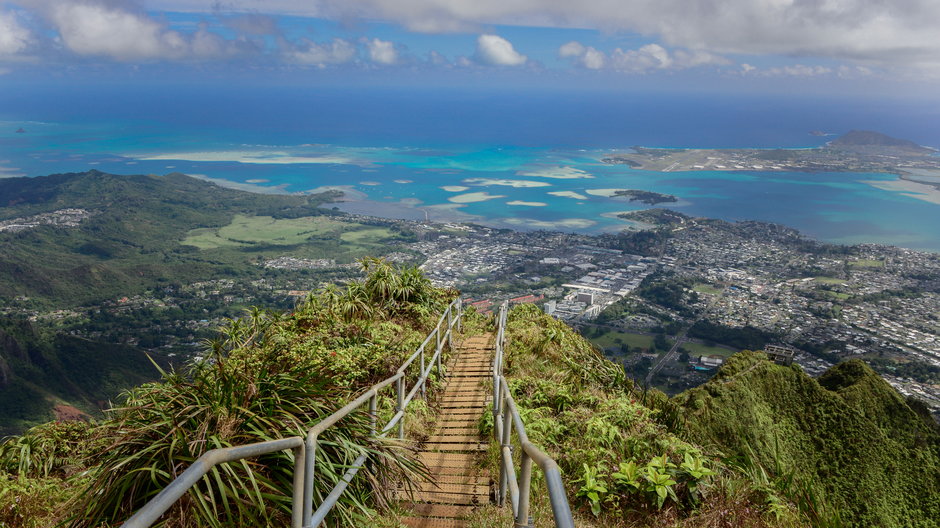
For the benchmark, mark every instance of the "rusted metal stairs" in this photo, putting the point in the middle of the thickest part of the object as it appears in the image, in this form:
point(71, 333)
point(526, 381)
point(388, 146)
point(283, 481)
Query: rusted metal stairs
point(453, 453)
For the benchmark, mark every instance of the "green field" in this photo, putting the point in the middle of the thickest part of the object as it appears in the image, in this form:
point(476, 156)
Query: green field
point(365, 235)
point(829, 280)
point(706, 288)
point(609, 340)
point(698, 349)
point(864, 263)
point(836, 296)
point(249, 230)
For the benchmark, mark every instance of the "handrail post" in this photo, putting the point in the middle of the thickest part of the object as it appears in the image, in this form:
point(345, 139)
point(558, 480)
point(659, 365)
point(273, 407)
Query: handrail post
point(310, 460)
point(400, 406)
point(297, 507)
point(440, 372)
point(525, 471)
point(421, 377)
point(373, 412)
point(505, 444)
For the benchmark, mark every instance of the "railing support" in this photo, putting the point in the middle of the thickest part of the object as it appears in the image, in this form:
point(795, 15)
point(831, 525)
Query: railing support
point(400, 407)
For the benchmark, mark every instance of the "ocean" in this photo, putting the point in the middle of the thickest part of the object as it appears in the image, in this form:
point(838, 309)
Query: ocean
point(519, 159)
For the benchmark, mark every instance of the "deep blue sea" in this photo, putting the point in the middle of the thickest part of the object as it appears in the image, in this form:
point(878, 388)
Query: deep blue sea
point(506, 158)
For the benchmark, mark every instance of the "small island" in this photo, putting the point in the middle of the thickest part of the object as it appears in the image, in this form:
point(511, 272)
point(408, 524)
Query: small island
point(647, 197)
point(20, 130)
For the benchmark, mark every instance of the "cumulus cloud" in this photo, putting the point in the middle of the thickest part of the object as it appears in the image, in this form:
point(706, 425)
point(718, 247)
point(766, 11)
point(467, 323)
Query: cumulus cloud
point(497, 51)
point(106, 29)
point(322, 54)
point(582, 55)
point(655, 57)
point(898, 32)
point(647, 58)
point(382, 51)
point(14, 37)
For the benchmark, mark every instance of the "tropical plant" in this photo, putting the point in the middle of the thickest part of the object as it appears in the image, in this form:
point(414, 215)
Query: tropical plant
point(592, 487)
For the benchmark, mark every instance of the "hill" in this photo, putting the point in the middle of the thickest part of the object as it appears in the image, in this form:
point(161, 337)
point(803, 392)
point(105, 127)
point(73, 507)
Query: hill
point(866, 138)
point(848, 438)
point(131, 237)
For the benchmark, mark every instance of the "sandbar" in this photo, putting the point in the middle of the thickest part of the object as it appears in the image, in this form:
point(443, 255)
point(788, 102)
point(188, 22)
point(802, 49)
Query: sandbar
point(559, 173)
point(521, 184)
point(264, 158)
point(566, 223)
point(920, 191)
point(606, 193)
point(455, 188)
point(474, 197)
point(568, 194)
point(527, 204)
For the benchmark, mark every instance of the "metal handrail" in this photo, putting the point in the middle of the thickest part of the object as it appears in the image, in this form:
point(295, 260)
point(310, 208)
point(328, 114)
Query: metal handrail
point(505, 416)
point(302, 514)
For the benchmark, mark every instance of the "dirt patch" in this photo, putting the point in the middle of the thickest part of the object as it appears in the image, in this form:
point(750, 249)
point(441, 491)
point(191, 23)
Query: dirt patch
point(67, 413)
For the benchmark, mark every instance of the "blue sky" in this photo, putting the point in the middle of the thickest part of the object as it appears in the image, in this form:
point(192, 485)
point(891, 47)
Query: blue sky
point(787, 46)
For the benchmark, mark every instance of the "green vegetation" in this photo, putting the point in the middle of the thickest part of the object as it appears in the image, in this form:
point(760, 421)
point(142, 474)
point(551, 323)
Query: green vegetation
point(144, 236)
point(699, 349)
point(617, 446)
point(270, 376)
point(647, 197)
point(849, 442)
point(616, 340)
point(706, 288)
point(745, 338)
point(41, 369)
point(131, 241)
point(831, 281)
point(866, 263)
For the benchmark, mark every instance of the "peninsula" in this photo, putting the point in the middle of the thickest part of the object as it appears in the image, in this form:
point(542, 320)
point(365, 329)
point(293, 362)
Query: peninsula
point(855, 151)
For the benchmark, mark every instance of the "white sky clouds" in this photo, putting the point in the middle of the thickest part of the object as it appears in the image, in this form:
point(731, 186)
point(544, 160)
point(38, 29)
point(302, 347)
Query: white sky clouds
point(849, 37)
point(497, 51)
point(14, 38)
point(647, 58)
point(382, 51)
point(899, 31)
point(323, 54)
point(99, 29)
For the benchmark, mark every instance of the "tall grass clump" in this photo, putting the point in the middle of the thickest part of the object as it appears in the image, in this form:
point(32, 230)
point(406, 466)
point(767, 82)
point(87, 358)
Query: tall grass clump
point(269, 376)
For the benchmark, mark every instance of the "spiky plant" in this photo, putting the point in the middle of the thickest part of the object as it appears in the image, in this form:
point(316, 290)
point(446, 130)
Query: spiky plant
point(269, 377)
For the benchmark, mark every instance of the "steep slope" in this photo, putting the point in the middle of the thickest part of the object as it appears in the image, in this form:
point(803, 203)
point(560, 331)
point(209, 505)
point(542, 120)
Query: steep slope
point(849, 437)
point(40, 372)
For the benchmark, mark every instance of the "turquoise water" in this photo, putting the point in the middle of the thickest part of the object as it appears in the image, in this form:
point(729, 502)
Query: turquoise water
point(404, 174)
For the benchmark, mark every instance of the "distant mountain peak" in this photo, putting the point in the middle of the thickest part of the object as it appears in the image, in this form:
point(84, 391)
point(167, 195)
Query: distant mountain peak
point(868, 138)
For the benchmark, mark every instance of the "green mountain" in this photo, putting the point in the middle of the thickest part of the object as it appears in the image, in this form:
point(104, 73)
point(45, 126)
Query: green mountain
point(131, 238)
point(847, 437)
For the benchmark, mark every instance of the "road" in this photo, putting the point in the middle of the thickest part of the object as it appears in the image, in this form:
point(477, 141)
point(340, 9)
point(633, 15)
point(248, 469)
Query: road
point(668, 356)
